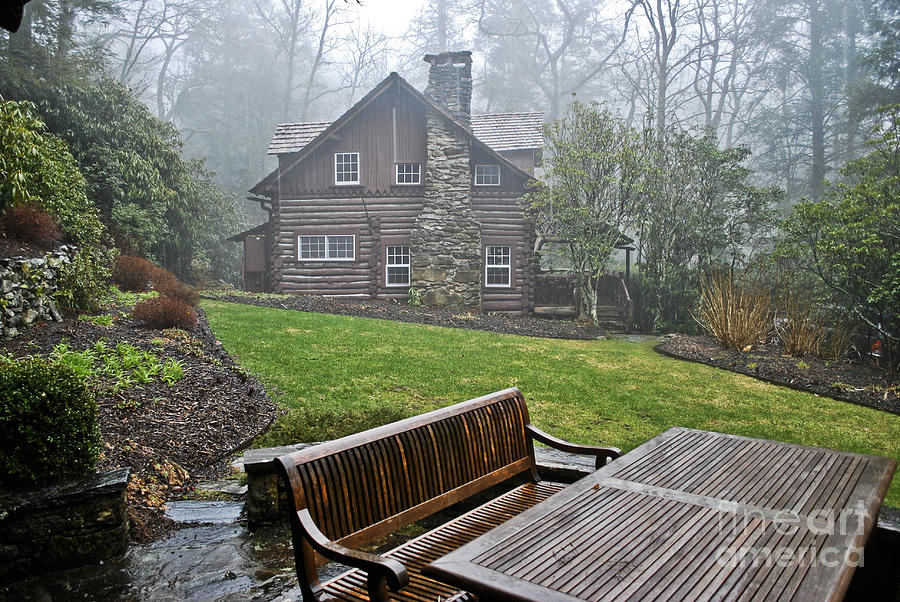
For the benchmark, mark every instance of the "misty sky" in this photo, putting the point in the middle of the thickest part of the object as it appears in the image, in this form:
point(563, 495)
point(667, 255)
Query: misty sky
point(390, 16)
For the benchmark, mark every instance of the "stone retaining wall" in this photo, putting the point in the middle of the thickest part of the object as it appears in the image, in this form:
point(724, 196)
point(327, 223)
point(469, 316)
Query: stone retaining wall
point(65, 525)
point(27, 287)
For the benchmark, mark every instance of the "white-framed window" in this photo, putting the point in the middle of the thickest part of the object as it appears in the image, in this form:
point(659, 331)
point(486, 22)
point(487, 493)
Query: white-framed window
point(487, 175)
point(326, 247)
point(409, 173)
point(397, 265)
point(497, 268)
point(346, 168)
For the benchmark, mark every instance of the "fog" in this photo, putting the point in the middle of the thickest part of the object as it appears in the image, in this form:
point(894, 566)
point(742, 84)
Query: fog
point(795, 82)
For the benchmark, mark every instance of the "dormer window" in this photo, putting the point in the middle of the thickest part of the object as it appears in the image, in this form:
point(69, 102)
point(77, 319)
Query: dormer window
point(487, 175)
point(346, 168)
point(409, 173)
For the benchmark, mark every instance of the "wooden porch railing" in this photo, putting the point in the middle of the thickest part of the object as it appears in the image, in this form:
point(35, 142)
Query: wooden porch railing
point(624, 303)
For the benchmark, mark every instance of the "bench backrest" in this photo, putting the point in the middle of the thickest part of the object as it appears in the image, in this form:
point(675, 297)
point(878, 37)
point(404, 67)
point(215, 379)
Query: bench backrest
point(370, 484)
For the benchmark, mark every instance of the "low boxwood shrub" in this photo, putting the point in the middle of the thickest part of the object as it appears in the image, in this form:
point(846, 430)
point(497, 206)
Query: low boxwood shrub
point(48, 423)
point(165, 312)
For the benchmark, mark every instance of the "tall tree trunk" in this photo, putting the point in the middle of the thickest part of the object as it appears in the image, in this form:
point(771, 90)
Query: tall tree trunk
point(851, 72)
point(65, 30)
point(817, 101)
point(21, 41)
point(317, 62)
point(442, 25)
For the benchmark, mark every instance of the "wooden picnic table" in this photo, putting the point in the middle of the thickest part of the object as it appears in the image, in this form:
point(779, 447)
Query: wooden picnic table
point(688, 515)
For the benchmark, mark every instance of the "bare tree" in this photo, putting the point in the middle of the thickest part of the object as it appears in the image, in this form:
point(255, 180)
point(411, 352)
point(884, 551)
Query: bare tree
point(290, 21)
point(367, 54)
point(556, 46)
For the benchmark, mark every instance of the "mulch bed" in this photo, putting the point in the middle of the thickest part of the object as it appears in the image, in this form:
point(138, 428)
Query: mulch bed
point(170, 436)
point(856, 382)
point(453, 318)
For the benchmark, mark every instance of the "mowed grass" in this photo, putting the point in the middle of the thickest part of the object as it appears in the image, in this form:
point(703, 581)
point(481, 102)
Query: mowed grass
point(341, 374)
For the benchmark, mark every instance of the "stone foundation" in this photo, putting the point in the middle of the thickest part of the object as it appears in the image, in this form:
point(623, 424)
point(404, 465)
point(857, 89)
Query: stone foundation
point(65, 525)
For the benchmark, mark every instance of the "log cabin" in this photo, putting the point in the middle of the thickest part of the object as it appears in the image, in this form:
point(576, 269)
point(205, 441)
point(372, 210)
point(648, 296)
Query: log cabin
point(406, 191)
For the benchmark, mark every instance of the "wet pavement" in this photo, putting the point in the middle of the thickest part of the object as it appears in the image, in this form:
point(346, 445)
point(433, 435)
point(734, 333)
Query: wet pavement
point(211, 557)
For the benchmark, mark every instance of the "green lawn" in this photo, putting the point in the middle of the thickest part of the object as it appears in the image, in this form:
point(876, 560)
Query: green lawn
point(341, 374)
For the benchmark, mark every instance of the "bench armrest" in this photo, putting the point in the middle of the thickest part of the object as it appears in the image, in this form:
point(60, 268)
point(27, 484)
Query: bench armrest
point(381, 571)
point(602, 454)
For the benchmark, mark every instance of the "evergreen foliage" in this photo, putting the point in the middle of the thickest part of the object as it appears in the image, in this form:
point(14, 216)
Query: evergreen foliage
point(37, 168)
point(155, 202)
point(850, 241)
point(48, 423)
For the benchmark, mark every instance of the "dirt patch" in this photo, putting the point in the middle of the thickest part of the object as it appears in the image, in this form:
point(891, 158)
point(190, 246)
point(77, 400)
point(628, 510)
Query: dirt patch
point(452, 318)
point(856, 382)
point(172, 436)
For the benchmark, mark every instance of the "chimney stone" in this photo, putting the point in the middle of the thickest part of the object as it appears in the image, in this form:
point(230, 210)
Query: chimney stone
point(450, 82)
point(445, 241)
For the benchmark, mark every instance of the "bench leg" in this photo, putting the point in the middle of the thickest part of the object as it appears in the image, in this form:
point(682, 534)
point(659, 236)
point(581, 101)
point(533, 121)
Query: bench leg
point(377, 588)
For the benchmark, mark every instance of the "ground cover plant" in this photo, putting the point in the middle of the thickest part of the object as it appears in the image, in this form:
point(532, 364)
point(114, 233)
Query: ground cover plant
point(326, 367)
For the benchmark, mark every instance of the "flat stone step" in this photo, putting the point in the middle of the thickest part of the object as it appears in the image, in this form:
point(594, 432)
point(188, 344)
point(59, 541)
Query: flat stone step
point(202, 512)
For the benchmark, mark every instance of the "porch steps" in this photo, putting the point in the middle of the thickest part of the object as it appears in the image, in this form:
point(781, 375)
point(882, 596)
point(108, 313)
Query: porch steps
point(608, 316)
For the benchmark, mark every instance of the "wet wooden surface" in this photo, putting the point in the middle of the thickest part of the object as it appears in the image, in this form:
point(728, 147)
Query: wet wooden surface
point(689, 515)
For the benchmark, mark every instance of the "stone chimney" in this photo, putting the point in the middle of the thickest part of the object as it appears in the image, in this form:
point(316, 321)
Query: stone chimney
point(450, 81)
point(445, 241)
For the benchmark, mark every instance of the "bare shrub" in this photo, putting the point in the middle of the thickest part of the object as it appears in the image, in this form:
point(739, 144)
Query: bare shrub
point(165, 312)
point(134, 274)
point(737, 315)
point(30, 223)
point(799, 326)
point(162, 279)
point(176, 290)
point(839, 340)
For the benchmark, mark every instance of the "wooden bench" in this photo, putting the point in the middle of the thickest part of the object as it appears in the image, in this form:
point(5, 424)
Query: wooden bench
point(352, 491)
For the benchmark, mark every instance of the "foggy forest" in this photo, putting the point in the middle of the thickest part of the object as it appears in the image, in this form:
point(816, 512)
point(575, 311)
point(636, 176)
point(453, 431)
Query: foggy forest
point(168, 106)
point(793, 81)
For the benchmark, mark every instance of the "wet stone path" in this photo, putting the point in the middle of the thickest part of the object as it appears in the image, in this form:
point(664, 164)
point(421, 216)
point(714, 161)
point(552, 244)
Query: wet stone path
point(211, 557)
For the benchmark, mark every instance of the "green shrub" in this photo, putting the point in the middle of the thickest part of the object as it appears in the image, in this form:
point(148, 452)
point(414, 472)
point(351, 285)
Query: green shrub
point(36, 167)
point(84, 283)
point(48, 423)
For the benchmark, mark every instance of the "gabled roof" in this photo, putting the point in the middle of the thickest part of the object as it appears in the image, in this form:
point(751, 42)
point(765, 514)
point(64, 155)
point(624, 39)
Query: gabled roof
point(324, 130)
point(510, 131)
point(500, 131)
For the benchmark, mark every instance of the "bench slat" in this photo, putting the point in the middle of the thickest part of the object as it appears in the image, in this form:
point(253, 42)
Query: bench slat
point(373, 483)
point(417, 553)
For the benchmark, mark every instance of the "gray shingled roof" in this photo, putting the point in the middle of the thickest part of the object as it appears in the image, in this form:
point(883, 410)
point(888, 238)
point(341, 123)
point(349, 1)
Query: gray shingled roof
point(292, 137)
point(500, 131)
point(509, 131)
